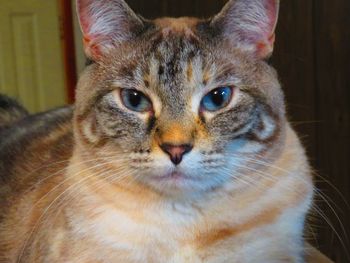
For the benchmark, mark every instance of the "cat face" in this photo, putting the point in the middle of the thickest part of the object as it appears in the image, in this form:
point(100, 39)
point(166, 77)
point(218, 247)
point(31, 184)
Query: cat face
point(180, 105)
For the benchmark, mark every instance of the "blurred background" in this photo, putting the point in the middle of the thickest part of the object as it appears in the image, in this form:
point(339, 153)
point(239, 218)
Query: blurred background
point(41, 57)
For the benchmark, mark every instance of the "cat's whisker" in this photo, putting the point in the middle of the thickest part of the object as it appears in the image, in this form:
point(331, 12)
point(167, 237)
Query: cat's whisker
point(62, 170)
point(105, 176)
point(55, 200)
point(96, 185)
point(178, 119)
point(323, 216)
point(269, 166)
point(243, 178)
point(286, 171)
point(323, 179)
point(68, 178)
point(313, 234)
point(337, 217)
point(59, 171)
point(327, 220)
point(98, 175)
point(258, 172)
point(318, 192)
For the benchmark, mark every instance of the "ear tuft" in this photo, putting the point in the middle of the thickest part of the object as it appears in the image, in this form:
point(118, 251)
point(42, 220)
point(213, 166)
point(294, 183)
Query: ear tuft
point(106, 23)
point(249, 25)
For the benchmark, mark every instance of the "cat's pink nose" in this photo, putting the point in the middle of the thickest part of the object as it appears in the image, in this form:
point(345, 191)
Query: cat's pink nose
point(176, 152)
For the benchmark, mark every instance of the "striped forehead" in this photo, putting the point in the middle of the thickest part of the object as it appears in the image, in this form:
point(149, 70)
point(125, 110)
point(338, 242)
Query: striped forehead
point(173, 57)
point(176, 68)
point(173, 65)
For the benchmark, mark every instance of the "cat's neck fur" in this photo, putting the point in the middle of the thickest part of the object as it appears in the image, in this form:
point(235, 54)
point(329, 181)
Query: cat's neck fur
point(212, 217)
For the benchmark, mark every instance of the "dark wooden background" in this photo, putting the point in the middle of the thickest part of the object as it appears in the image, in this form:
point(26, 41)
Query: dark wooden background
point(312, 56)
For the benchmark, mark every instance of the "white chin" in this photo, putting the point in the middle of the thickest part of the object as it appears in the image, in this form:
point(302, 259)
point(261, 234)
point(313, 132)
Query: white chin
point(176, 183)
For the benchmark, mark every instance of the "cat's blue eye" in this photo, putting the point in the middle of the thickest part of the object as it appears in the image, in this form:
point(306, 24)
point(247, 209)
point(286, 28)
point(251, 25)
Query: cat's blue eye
point(217, 99)
point(135, 100)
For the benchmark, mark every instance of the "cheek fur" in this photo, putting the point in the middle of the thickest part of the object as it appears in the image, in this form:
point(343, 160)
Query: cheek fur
point(118, 124)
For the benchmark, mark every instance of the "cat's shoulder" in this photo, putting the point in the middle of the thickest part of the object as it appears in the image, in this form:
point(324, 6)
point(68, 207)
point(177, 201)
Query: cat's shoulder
point(35, 137)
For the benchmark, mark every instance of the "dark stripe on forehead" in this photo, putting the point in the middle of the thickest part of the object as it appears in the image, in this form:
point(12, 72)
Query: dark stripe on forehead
point(146, 83)
point(224, 73)
point(160, 71)
point(172, 61)
point(127, 71)
point(172, 51)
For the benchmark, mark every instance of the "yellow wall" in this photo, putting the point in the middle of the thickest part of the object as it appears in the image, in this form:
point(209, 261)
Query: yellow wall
point(31, 58)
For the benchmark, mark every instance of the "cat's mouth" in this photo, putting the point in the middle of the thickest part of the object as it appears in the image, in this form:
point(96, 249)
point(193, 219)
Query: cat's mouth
point(172, 176)
point(175, 181)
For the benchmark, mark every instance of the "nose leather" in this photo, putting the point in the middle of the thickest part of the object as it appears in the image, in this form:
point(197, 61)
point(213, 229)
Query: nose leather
point(176, 152)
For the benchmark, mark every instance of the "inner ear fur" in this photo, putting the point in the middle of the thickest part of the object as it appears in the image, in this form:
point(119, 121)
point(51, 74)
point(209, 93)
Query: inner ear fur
point(105, 24)
point(249, 25)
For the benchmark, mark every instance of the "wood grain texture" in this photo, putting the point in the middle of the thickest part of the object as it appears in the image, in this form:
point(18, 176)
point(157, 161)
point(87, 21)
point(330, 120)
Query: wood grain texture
point(332, 81)
point(293, 58)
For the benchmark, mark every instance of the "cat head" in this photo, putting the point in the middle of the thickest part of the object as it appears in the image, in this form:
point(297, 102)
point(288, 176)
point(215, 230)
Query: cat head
point(179, 104)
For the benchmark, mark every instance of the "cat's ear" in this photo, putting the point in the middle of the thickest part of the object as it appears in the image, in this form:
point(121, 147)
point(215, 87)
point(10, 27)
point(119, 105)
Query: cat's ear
point(105, 24)
point(249, 24)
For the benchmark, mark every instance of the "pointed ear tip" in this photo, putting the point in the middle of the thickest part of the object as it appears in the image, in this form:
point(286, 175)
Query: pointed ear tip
point(272, 5)
point(274, 12)
point(274, 2)
point(79, 5)
point(79, 8)
point(277, 5)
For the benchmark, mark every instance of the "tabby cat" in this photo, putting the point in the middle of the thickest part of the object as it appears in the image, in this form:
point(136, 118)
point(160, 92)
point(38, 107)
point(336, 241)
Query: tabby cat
point(176, 150)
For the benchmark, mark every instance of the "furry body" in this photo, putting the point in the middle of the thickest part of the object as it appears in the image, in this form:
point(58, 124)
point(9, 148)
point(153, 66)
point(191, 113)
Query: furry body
point(144, 226)
point(94, 185)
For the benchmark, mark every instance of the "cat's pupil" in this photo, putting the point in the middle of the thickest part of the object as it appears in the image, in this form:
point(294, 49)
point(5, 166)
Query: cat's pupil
point(135, 98)
point(218, 97)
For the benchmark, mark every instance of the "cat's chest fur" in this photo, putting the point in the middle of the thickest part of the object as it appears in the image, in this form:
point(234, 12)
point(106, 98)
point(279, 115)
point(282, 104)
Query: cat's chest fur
point(179, 233)
point(157, 234)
